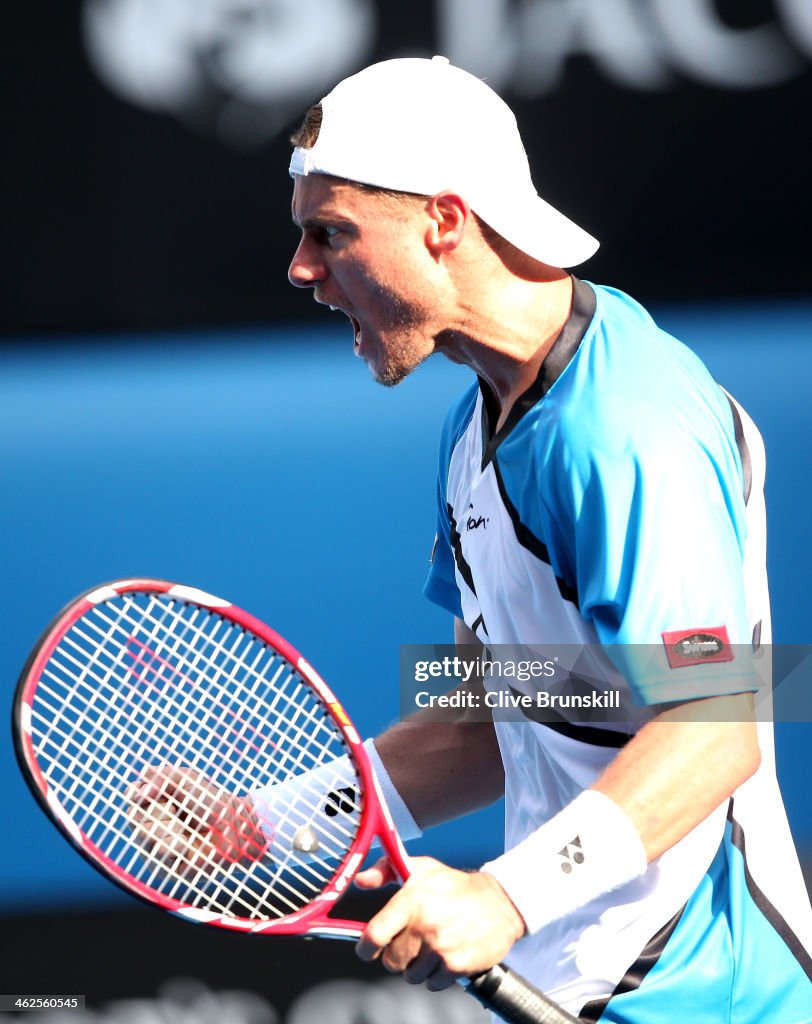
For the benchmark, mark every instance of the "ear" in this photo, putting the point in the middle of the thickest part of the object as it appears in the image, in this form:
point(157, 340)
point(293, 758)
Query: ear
point(448, 214)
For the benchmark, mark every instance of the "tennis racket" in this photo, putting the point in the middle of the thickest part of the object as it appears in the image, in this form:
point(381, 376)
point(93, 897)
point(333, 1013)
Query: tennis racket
point(196, 759)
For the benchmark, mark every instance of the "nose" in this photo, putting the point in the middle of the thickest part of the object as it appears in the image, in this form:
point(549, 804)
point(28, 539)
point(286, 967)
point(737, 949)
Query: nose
point(306, 269)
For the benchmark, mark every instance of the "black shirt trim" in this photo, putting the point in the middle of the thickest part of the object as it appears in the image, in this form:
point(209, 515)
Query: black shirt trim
point(584, 304)
point(744, 451)
point(633, 978)
point(764, 905)
point(550, 718)
point(530, 541)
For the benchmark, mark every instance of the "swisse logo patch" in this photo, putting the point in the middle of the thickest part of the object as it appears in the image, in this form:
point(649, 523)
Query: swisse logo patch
point(697, 646)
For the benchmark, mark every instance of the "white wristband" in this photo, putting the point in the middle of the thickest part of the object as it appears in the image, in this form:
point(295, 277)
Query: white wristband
point(589, 848)
point(405, 825)
point(316, 813)
point(311, 815)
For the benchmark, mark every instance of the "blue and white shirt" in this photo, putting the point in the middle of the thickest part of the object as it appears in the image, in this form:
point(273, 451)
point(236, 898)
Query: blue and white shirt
point(620, 510)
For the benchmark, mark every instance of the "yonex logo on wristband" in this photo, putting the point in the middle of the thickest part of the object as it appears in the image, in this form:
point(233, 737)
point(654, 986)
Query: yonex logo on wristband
point(572, 853)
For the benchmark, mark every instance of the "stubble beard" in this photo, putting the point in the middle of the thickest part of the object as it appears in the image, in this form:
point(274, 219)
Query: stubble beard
point(403, 356)
point(397, 367)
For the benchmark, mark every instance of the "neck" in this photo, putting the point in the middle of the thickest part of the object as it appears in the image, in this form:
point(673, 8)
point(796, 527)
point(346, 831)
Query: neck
point(506, 334)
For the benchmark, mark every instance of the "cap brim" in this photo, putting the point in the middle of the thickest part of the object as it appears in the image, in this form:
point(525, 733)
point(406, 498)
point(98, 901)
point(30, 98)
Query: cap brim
point(539, 230)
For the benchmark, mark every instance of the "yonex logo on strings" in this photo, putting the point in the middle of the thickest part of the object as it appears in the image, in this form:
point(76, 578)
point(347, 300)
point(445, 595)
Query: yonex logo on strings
point(572, 853)
point(340, 800)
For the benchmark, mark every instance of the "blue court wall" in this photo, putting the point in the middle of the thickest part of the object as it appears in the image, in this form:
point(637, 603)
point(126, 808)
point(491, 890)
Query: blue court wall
point(265, 466)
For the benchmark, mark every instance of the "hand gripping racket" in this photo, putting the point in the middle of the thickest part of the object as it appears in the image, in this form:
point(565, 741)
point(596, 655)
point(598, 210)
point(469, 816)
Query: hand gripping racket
point(197, 760)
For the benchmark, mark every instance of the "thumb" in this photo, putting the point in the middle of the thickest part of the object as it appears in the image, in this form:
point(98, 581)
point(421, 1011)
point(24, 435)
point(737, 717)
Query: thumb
point(381, 873)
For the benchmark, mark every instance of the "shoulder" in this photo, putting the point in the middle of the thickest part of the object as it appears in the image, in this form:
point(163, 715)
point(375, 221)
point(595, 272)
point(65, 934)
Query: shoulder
point(634, 387)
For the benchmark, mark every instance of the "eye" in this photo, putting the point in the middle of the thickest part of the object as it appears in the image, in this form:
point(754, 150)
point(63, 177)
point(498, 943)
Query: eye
point(323, 234)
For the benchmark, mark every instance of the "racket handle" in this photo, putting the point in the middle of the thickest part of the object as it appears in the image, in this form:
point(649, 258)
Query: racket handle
point(515, 1000)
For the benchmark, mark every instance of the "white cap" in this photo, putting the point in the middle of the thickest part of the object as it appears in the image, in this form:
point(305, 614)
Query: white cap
point(425, 126)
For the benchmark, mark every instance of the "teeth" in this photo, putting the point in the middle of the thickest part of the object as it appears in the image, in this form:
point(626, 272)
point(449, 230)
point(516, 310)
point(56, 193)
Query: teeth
point(334, 308)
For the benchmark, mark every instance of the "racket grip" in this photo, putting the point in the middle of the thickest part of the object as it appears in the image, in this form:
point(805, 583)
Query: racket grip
point(515, 1000)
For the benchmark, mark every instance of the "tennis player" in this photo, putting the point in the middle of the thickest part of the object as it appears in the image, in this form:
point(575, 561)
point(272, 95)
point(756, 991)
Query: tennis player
point(597, 488)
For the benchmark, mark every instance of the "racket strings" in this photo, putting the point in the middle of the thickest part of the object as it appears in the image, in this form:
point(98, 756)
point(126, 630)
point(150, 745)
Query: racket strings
point(299, 748)
point(308, 722)
point(142, 681)
point(347, 833)
point(190, 887)
point(152, 880)
point(284, 707)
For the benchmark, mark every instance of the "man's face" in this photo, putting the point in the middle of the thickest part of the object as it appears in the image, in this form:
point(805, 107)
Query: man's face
point(364, 254)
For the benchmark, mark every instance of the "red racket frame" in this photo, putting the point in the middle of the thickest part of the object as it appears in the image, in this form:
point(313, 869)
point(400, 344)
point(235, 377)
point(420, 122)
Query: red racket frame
point(313, 919)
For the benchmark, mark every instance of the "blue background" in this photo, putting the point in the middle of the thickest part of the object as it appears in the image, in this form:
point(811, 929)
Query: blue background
point(264, 466)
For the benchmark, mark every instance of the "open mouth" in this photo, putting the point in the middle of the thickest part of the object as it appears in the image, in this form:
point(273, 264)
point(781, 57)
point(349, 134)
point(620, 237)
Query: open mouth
point(356, 331)
point(356, 327)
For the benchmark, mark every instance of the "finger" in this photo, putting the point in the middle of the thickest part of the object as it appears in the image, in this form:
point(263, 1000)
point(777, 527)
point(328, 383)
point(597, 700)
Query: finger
point(155, 783)
point(144, 820)
point(382, 929)
point(236, 833)
point(170, 780)
point(440, 979)
point(143, 792)
point(170, 841)
point(162, 835)
point(192, 796)
point(403, 950)
point(185, 854)
point(424, 965)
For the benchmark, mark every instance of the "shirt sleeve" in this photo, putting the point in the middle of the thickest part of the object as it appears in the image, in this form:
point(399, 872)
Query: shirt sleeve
point(441, 585)
point(658, 534)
